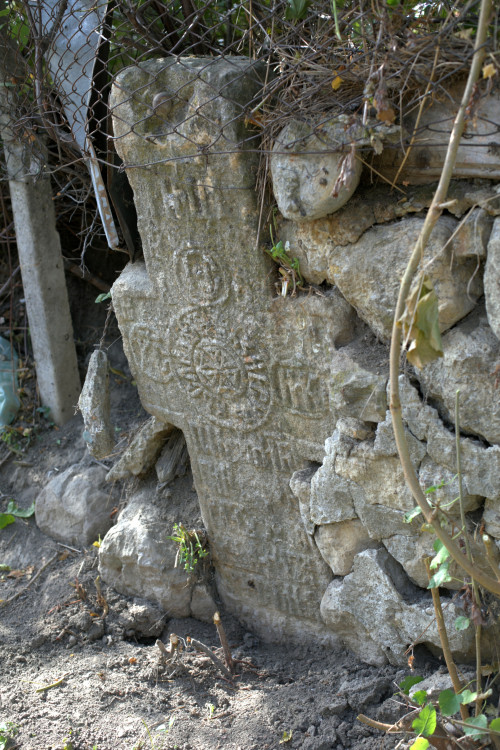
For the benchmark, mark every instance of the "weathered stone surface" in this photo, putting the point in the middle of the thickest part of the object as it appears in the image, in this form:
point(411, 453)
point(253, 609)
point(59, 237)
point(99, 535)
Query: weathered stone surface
point(471, 354)
point(300, 484)
point(368, 271)
point(475, 156)
point(354, 428)
point(492, 280)
point(385, 442)
point(331, 495)
point(173, 458)
point(371, 610)
point(203, 606)
point(446, 485)
point(75, 506)
point(480, 465)
point(95, 407)
point(137, 559)
point(143, 451)
point(314, 241)
point(491, 516)
point(339, 543)
point(375, 479)
point(245, 376)
point(307, 184)
point(358, 383)
point(473, 234)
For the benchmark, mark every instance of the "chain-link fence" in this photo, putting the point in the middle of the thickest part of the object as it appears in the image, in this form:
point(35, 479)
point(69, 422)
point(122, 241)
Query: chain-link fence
point(374, 62)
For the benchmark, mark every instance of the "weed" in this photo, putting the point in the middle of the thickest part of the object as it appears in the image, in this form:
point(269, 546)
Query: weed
point(289, 267)
point(8, 731)
point(211, 710)
point(161, 728)
point(191, 549)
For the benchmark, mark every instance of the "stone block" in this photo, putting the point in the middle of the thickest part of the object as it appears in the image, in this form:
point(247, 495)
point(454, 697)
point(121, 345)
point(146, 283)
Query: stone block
point(314, 170)
point(339, 543)
point(373, 612)
point(368, 271)
point(471, 354)
point(143, 452)
point(94, 405)
point(492, 280)
point(244, 375)
point(75, 506)
point(136, 557)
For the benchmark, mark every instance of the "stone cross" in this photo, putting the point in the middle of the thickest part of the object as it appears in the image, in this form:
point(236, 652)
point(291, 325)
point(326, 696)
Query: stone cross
point(243, 373)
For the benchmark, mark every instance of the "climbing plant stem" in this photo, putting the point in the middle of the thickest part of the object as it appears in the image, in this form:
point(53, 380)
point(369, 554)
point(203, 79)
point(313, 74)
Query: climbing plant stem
point(433, 215)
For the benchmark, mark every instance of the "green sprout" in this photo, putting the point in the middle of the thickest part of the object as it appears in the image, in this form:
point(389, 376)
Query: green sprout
point(190, 548)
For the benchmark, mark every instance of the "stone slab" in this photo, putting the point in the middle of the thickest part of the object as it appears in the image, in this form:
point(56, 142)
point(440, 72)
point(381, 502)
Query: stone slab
point(244, 375)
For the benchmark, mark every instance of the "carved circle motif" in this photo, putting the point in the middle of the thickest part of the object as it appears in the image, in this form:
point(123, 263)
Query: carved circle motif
point(224, 374)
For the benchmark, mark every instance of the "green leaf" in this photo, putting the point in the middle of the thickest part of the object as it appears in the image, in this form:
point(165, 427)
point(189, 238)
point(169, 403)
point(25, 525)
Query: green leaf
point(5, 568)
point(495, 725)
point(421, 325)
point(13, 508)
point(441, 576)
point(6, 519)
point(411, 514)
point(419, 696)
point(449, 702)
point(462, 623)
point(420, 744)
point(296, 10)
point(441, 556)
point(103, 297)
point(409, 682)
point(426, 721)
point(467, 696)
point(480, 723)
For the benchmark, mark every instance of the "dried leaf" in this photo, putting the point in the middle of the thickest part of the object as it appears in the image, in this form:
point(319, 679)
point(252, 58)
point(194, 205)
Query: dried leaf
point(489, 71)
point(386, 115)
point(421, 325)
point(16, 574)
point(376, 144)
point(337, 82)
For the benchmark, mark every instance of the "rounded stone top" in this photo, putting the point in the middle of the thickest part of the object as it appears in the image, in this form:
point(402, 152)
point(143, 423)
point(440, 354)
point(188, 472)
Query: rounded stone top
point(314, 168)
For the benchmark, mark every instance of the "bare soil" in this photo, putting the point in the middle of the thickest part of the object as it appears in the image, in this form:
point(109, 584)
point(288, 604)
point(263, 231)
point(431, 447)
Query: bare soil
point(75, 677)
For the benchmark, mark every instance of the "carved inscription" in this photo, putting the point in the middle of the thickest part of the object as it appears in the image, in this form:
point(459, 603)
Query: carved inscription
point(300, 390)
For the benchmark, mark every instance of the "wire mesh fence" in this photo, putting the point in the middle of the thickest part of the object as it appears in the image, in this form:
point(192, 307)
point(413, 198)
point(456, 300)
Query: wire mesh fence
point(379, 64)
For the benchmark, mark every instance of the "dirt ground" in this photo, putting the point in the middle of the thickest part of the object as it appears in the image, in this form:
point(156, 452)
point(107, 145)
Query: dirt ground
point(74, 678)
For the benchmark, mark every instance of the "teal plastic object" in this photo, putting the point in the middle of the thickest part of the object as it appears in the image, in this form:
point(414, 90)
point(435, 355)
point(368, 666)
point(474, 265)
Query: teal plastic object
point(9, 400)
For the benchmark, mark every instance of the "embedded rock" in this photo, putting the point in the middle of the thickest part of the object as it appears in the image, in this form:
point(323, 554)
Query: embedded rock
point(143, 451)
point(492, 280)
point(137, 559)
point(378, 613)
point(75, 506)
point(473, 234)
point(95, 407)
point(471, 354)
point(339, 543)
point(368, 272)
point(314, 170)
